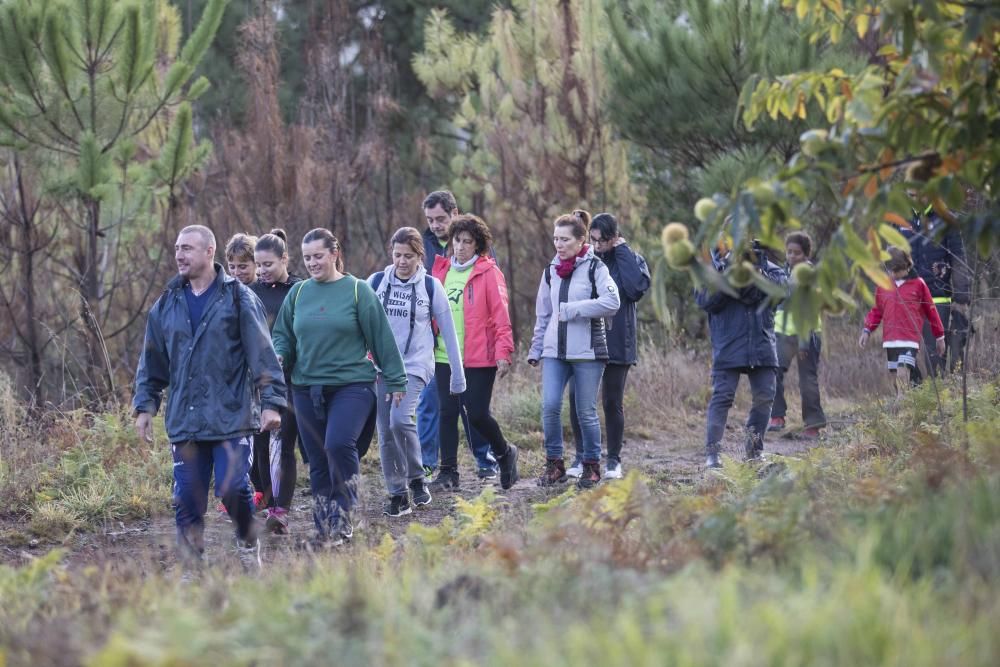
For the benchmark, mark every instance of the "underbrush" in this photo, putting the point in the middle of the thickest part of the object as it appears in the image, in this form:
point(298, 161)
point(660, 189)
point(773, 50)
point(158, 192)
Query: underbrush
point(881, 548)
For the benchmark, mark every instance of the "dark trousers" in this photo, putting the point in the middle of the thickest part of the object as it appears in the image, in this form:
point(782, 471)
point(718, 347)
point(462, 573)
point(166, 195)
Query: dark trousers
point(287, 466)
point(194, 463)
point(724, 383)
point(330, 422)
point(476, 400)
point(956, 335)
point(613, 402)
point(808, 368)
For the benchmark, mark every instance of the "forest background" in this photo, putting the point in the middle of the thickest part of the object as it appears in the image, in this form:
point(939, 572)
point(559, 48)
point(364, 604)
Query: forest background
point(344, 114)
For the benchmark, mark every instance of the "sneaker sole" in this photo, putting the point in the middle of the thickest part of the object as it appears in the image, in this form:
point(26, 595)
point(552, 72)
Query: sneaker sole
point(408, 510)
point(613, 475)
point(424, 503)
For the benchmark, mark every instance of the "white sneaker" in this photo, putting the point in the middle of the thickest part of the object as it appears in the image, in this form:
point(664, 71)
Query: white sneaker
point(576, 470)
point(613, 470)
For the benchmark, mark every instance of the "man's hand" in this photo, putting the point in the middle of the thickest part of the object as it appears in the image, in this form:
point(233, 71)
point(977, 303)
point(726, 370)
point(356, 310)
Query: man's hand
point(503, 367)
point(864, 339)
point(144, 426)
point(270, 420)
point(940, 346)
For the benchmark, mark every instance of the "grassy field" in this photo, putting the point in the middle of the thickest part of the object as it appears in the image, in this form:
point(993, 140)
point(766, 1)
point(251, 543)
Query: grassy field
point(879, 545)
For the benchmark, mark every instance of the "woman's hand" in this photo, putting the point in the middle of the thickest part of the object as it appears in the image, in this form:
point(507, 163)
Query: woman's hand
point(396, 397)
point(863, 340)
point(503, 367)
point(533, 362)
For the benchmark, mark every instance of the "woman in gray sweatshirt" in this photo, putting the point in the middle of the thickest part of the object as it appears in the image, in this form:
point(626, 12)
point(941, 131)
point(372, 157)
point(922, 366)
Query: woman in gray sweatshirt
point(417, 307)
point(575, 295)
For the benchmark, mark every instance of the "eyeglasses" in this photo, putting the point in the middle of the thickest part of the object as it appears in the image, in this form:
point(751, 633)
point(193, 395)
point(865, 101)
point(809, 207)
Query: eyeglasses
point(598, 239)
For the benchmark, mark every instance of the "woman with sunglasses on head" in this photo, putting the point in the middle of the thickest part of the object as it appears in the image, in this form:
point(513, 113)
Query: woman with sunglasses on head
point(629, 271)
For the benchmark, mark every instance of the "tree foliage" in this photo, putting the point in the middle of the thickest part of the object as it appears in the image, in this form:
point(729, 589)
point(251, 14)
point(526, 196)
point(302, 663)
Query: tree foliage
point(922, 118)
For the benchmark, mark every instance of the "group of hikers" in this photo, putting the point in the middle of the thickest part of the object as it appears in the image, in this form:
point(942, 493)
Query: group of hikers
point(257, 359)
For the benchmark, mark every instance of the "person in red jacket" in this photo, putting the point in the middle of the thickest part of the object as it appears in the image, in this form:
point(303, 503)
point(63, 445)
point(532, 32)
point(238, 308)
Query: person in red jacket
point(902, 310)
point(477, 294)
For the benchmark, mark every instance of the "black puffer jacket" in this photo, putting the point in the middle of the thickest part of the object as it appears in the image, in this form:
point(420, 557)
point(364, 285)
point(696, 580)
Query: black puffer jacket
point(629, 271)
point(941, 265)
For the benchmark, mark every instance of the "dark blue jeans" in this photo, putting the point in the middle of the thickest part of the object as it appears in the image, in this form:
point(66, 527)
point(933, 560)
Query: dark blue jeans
point(194, 463)
point(330, 421)
point(724, 383)
point(429, 430)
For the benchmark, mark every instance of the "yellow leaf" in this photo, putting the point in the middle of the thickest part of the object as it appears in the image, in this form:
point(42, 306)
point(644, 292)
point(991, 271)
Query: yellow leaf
point(877, 276)
point(800, 109)
point(862, 24)
point(801, 9)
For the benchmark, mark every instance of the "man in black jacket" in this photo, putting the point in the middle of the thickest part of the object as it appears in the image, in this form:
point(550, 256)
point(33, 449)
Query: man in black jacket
point(939, 258)
point(207, 340)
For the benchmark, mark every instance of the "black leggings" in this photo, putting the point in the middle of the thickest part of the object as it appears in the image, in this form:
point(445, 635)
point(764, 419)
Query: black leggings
point(260, 472)
point(476, 399)
point(613, 401)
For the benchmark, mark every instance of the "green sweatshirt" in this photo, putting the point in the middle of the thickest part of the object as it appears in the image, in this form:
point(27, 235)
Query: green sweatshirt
point(324, 332)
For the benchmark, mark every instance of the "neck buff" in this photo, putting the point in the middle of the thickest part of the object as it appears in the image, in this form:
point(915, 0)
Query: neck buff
point(462, 268)
point(564, 269)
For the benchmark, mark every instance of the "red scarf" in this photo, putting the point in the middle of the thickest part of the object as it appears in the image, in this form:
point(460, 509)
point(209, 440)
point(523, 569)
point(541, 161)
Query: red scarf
point(564, 269)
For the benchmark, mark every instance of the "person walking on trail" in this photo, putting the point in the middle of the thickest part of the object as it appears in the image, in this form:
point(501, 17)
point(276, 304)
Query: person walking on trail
point(326, 329)
point(239, 258)
point(415, 303)
point(807, 349)
point(741, 328)
point(477, 297)
point(902, 311)
point(575, 295)
point(629, 271)
point(439, 209)
point(275, 452)
point(938, 255)
point(207, 341)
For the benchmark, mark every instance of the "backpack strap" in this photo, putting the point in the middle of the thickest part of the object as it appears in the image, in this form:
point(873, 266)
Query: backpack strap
point(593, 278)
point(548, 275)
point(429, 286)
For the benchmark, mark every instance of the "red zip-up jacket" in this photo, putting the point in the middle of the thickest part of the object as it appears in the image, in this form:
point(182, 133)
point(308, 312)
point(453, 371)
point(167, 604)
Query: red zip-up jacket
point(488, 333)
point(902, 310)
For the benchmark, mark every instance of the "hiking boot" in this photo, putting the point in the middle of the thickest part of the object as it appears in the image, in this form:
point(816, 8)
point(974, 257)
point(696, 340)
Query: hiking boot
point(555, 472)
point(776, 424)
point(447, 480)
point(508, 468)
point(248, 551)
point(713, 460)
point(753, 446)
point(576, 469)
point(811, 433)
point(612, 470)
point(487, 472)
point(277, 521)
point(397, 506)
point(591, 475)
point(343, 530)
point(419, 493)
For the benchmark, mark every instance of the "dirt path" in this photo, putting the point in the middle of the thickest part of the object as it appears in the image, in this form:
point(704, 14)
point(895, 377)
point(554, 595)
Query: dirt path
point(674, 458)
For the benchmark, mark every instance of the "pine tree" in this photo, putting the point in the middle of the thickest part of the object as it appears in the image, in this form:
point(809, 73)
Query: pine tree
point(89, 90)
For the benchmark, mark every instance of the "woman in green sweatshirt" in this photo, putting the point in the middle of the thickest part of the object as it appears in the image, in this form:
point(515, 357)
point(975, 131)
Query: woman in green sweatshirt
point(326, 329)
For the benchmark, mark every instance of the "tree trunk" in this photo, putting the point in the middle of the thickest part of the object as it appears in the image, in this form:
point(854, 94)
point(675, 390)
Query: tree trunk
point(98, 364)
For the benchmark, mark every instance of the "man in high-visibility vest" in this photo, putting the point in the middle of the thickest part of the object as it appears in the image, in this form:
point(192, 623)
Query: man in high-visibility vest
point(939, 258)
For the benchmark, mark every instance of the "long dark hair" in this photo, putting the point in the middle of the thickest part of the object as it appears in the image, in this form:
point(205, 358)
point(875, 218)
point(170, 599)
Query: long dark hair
point(275, 241)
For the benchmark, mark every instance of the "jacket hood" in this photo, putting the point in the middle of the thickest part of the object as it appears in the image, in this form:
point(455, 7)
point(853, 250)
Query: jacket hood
point(389, 276)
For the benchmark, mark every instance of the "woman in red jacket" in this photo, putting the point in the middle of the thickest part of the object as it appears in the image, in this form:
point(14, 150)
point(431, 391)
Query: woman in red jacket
point(477, 294)
point(903, 310)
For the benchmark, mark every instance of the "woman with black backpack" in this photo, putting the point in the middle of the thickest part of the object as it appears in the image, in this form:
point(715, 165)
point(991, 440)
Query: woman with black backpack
point(415, 302)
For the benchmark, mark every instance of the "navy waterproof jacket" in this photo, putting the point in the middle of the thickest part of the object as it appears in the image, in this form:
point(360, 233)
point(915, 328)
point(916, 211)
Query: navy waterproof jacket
point(742, 328)
point(219, 377)
point(631, 275)
point(941, 265)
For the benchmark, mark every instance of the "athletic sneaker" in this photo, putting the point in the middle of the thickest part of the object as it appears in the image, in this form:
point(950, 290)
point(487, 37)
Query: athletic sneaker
point(712, 460)
point(555, 473)
point(811, 433)
point(591, 475)
point(277, 521)
point(429, 472)
point(421, 496)
point(258, 501)
point(248, 551)
point(343, 531)
point(613, 469)
point(223, 512)
point(508, 467)
point(487, 472)
point(397, 506)
point(447, 480)
point(776, 424)
point(576, 469)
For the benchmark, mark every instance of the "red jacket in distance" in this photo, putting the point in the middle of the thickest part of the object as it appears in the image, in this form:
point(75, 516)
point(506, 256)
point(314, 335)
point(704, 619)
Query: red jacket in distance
point(902, 311)
point(488, 333)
